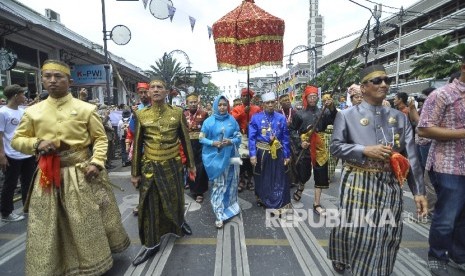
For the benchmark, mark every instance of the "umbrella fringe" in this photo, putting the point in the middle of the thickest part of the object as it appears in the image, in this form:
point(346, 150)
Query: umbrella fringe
point(253, 67)
point(249, 40)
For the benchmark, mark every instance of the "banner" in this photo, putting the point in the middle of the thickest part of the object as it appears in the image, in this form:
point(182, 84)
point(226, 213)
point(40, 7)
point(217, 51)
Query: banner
point(192, 21)
point(90, 74)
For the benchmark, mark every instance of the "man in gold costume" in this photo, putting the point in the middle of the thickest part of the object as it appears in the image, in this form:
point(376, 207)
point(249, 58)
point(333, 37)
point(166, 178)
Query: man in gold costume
point(158, 172)
point(74, 221)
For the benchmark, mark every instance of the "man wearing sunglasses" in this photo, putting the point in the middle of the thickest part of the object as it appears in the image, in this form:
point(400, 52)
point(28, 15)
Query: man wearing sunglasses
point(365, 136)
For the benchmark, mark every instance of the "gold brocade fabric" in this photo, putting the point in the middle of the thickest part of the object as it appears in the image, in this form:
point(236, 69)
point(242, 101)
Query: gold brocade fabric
point(73, 230)
point(321, 151)
point(273, 148)
point(66, 120)
point(158, 134)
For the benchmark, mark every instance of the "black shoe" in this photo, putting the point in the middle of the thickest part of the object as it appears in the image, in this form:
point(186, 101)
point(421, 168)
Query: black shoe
point(186, 229)
point(437, 267)
point(144, 255)
point(339, 267)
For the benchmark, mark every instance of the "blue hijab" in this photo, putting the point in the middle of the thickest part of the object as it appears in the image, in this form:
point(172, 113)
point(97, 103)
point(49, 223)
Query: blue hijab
point(216, 161)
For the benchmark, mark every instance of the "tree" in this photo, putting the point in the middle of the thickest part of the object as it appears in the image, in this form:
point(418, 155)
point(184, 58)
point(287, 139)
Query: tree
point(327, 79)
point(434, 60)
point(168, 69)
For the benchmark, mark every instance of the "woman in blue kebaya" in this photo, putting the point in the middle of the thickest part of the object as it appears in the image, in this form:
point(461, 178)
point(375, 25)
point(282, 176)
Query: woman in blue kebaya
point(220, 136)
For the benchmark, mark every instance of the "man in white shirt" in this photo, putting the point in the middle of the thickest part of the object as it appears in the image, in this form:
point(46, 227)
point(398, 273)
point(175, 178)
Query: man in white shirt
point(14, 164)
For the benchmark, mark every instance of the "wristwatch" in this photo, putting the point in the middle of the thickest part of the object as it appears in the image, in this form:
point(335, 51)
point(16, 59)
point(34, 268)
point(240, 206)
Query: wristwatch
point(35, 146)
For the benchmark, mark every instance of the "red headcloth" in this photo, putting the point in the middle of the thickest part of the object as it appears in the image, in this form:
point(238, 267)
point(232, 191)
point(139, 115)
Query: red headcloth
point(142, 85)
point(244, 92)
point(308, 90)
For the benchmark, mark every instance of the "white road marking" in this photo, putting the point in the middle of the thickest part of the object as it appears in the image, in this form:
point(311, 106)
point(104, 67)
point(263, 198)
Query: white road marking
point(224, 247)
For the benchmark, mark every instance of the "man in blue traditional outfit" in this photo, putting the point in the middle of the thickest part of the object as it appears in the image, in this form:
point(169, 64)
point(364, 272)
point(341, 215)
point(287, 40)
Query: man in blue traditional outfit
point(269, 147)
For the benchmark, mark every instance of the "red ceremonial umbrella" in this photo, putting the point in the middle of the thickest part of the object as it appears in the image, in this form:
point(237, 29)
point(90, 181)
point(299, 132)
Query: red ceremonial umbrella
point(248, 37)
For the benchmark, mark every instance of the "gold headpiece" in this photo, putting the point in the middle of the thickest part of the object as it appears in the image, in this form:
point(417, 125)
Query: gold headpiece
point(57, 67)
point(158, 81)
point(192, 96)
point(373, 75)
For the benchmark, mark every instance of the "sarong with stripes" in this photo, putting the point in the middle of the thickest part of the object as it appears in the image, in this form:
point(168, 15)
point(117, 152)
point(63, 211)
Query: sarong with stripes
point(368, 249)
point(161, 202)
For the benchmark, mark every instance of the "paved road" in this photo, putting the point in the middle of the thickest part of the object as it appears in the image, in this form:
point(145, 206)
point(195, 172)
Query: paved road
point(246, 245)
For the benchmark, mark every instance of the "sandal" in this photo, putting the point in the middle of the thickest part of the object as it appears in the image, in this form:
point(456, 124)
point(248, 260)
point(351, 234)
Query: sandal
point(320, 213)
point(298, 193)
point(241, 186)
point(199, 199)
point(339, 267)
point(250, 185)
point(218, 224)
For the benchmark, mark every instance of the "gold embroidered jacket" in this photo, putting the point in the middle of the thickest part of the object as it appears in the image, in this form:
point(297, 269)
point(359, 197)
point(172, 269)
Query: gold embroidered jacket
point(158, 133)
point(66, 119)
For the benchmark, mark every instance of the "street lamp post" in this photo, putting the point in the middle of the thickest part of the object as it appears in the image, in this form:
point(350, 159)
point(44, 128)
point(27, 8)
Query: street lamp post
point(105, 50)
point(304, 48)
point(399, 45)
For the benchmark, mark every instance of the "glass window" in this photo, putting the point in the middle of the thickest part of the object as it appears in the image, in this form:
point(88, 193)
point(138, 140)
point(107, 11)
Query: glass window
point(26, 78)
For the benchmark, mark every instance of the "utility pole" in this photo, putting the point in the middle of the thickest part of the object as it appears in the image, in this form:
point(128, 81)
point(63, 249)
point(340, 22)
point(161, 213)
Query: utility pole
point(367, 46)
point(401, 17)
point(105, 50)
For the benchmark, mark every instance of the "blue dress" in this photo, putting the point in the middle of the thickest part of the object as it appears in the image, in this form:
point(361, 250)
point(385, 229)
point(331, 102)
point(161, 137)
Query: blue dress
point(225, 176)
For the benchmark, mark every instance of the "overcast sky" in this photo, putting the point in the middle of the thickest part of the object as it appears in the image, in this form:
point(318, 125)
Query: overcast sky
point(152, 37)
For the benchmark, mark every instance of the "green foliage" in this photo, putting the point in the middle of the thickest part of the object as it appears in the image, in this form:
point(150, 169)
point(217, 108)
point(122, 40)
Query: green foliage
point(328, 79)
point(435, 60)
point(167, 69)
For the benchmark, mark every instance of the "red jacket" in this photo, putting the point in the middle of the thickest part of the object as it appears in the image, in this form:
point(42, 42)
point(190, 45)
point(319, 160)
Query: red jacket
point(240, 115)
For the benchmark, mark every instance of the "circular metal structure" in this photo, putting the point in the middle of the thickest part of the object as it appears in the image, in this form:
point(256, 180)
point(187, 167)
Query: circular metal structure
point(120, 35)
point(297, 48)
point(205, 80)
point(182, 53)
point(160, 8)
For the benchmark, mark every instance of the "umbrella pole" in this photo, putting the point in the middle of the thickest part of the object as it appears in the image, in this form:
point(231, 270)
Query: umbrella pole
point(248, 79)
point(248, 96)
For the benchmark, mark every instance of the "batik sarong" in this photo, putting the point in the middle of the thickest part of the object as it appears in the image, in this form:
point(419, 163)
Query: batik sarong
point(368, 250)
point(161, 201)
point(74, 229)
point(224, 194)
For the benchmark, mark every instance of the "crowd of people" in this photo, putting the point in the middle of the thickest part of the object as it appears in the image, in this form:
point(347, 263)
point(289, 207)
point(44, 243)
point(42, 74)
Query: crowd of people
point(262, 144)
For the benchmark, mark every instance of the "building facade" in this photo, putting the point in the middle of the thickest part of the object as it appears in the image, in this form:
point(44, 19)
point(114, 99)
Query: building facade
point(32, 38)
point(315, 28)
point(423, 20)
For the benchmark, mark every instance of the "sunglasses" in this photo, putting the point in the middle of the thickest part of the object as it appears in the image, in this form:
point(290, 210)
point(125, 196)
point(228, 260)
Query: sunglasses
point(379, 80)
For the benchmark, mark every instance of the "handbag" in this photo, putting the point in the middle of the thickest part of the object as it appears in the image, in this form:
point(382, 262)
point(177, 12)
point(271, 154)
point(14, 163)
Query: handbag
point(236, 160)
